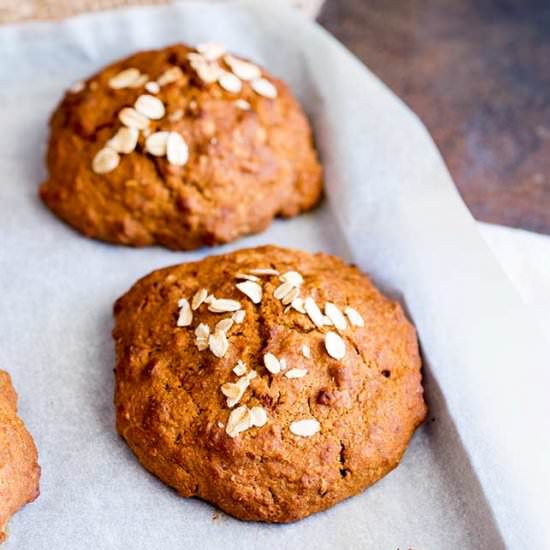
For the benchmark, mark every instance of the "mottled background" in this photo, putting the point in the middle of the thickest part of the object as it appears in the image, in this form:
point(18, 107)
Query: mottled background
point(478, 74)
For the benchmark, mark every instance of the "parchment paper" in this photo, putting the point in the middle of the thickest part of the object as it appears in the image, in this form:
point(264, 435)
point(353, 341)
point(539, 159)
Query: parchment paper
point(476, 476)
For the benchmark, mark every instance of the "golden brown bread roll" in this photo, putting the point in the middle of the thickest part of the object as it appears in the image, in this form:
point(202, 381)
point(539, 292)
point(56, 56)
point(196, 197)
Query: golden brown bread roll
point(233, 386)
point(19, 469)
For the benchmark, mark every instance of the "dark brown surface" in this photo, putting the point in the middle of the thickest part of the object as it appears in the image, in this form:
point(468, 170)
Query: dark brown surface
point(478, 74)
point(174, 417)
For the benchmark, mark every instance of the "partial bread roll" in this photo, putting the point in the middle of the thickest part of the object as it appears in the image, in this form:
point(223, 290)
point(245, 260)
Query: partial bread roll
point(19, 469)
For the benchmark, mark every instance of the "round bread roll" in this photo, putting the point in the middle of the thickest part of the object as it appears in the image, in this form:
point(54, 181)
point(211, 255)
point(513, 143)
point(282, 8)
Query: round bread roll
point(19, 469)
point(180, 147)
point(270, 382)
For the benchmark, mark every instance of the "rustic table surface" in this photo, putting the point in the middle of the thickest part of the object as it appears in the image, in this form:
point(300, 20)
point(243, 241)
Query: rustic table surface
point(476, 71)
point(478, 74)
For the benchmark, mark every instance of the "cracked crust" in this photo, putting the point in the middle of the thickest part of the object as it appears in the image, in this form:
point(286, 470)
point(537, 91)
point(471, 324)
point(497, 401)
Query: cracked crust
point(19, 470)
point(244, 168)
point(171, 412)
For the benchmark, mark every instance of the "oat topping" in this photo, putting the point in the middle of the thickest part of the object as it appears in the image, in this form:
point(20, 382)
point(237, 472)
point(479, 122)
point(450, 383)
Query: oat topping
point(150, 106)
point(224, 325)
point(263, 87)
point(240, 368)
point(234, 391)
point(211, 51)
point(292, 277)
point(242, 418)
point(291, 296)
point(152, 87)
point(247, 277)
point(218, 343)
point(289, 290)
point(175, 115)
point(282, 290)
point(264, 271)
point(298, 305)
point(202, 331)
point(155, 144)
point(199, 298)
point(132, 119)
point(336, 316)
point(239, 420)
point(196, 58)
point(139, 82)
point(201, 336)
point(177, 151)
point(229, 82)
point(173, 74)
point(259, 416)
point(335, 345)
point(354, 317)
point(252, 290)
point(201, 343)
point(296, 373)
point(105, 160)
point(223, 305)
point(170, 144)
point(124, 141)
point(208, 73)
point(124, 79)
point(205, 62)
point(77, 87)
point(306, 427)
point(186, 315)
point(243, 69)
point(242, 104)
point(239, 316)
point(313, 311)
point(272, 364)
